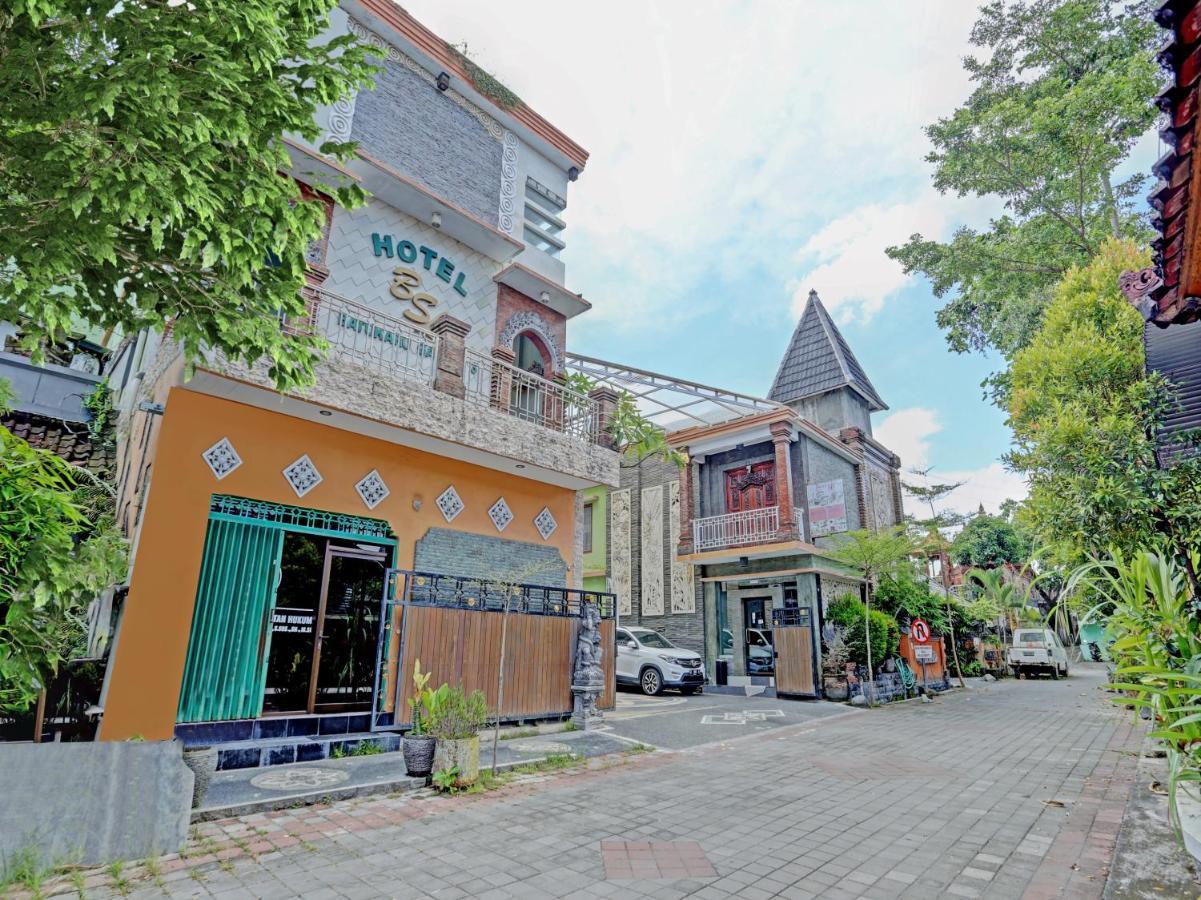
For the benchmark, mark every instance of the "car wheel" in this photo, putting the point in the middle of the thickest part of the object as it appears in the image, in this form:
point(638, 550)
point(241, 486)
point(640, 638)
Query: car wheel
point(1017, 674)
point(651, 682)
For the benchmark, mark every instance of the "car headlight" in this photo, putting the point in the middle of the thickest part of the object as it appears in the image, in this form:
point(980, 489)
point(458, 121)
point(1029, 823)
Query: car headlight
point(674, 660)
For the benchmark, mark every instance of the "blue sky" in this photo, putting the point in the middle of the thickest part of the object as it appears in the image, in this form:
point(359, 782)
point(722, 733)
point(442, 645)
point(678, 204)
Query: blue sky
point(744, 152)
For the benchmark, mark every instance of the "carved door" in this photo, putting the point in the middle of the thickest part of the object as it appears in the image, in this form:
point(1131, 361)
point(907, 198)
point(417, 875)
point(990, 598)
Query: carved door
point(751, 487)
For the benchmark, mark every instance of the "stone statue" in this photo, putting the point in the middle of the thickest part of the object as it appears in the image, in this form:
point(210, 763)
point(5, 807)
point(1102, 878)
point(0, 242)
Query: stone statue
point(588, 677)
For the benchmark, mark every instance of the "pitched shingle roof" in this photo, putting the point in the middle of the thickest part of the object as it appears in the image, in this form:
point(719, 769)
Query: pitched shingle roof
point(818, 359)
point(70, 441)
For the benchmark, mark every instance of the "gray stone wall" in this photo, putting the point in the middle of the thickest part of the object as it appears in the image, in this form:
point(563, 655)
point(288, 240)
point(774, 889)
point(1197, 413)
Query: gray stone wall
point(685, 629)
point(409, 125)
point(835, 410)
point(822, 464)
point(449, 552)
point(93, 803)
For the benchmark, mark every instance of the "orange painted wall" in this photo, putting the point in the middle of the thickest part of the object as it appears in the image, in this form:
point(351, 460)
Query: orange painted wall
point(149, 656)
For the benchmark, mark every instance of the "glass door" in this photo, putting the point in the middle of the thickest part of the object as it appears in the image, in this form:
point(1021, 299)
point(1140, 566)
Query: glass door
point(758, 638)
point(344, 662)
point(294, 623)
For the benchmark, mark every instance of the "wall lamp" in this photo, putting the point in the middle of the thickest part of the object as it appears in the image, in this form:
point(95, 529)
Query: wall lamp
point(436, 219)
point(443, 81)
point(573, 173)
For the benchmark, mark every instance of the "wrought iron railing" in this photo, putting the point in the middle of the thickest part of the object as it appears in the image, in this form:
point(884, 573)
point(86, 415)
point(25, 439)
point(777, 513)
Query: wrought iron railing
point(367, 336)
point(462, 592)
point(736, 529)
point(529, 397)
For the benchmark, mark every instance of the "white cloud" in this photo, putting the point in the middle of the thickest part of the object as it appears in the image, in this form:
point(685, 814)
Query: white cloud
point(991, 485)
point(907, 432)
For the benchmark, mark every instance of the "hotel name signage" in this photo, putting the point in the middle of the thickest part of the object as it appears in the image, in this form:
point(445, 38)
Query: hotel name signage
point(406, 281)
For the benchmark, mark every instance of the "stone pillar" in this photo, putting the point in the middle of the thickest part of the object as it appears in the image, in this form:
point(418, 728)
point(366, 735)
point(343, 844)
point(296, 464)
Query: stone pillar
point(588, 676)
point(781, 438)
point(448, 373)
point(687, 492)
point(853, 438)
point(606, 408)
point(501, 387)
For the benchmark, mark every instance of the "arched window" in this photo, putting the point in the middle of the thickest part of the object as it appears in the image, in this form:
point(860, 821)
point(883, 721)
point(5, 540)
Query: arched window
point(529, 352)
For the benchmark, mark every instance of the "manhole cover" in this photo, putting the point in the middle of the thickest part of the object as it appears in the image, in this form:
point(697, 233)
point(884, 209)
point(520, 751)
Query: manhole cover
point(547, 747)
point(290, 779)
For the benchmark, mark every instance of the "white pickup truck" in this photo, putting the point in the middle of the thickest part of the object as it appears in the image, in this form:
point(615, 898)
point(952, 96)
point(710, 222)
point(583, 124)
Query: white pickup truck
point(1037, 650)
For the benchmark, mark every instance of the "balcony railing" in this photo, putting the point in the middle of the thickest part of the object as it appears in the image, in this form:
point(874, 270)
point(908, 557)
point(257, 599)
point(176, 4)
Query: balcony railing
point(752, 526)
point(529, 397)
point(367, 336)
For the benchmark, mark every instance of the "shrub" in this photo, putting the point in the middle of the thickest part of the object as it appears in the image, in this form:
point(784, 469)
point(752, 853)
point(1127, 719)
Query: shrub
point(456, 715)
point(849, 612)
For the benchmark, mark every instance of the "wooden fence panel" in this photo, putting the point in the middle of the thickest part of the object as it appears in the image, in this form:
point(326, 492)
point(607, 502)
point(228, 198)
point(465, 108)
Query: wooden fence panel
point(794, 664)
point(459, 646)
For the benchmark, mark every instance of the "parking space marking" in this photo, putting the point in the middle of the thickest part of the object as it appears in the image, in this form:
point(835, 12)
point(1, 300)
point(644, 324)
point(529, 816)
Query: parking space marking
point(743, 718)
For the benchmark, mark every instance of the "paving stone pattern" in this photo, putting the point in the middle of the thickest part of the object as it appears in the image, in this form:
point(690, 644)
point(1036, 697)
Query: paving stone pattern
point(1014, 789)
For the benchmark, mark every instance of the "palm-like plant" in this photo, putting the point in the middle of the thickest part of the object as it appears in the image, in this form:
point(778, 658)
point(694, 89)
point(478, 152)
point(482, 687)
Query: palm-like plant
point(1146, 601)
point(1005, 596)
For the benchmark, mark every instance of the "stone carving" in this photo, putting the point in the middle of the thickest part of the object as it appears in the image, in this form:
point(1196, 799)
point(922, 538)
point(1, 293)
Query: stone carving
point(619, 528)
point(341, 119)
point(394, 55)
point(881, 502)
point(508, 218)
point(652, 551)
point(683, 595)
point(531, 321)
point(1137, 286)
point(588, 675)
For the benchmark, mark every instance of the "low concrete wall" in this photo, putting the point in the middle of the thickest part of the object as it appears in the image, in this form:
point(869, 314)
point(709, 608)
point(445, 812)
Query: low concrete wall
point(92, 803)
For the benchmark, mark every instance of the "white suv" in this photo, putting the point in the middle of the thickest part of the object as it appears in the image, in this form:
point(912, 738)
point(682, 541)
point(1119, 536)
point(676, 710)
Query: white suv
point(649, 660)
point(1037, 650)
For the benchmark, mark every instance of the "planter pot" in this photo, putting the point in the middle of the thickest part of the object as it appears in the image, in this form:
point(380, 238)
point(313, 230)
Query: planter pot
point(418, 752)
point(203, 763)
point(835, 688)
point(1188, 808)
point(463, 754)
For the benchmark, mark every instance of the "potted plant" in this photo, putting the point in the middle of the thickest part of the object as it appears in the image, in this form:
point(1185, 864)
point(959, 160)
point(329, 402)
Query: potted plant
point(418, 744)
point(834, 665)
point(455, 721)
point(203, 763)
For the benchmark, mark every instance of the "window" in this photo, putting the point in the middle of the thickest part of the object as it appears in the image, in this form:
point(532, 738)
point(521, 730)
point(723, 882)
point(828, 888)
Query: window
point(589, 512)
point(654, 639)
point(542, 227)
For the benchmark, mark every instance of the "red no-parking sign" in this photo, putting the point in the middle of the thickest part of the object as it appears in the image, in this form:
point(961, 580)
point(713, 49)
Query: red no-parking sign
point(920, 631)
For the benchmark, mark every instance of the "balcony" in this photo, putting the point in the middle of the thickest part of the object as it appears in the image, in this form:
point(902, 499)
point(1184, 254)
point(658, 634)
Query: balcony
point(388, 379)
point(740, 529)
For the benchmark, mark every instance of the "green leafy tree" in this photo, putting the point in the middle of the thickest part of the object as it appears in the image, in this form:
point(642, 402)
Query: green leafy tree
point(995, 592)
point(58, 549)
point(867, 633)
point(1083, 414)
point(1062, 90)
point(990, 541)
point(141, 162)
point(873, 555)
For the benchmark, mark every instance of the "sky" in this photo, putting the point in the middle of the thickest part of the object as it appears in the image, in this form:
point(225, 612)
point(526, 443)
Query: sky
point(743, 153)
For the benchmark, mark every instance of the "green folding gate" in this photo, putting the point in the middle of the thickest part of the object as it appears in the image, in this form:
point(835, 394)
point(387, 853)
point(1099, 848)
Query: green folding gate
point(227, 652)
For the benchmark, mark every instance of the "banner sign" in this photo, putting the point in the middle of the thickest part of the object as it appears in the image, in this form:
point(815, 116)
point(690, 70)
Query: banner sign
point(827, 508)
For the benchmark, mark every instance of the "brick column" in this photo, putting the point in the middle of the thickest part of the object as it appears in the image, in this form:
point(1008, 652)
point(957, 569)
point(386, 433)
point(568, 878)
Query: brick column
point(448, 374)
point(853, 438)
point(781, 437)
point(501, 388)
point(687, 492)
point(606, 407)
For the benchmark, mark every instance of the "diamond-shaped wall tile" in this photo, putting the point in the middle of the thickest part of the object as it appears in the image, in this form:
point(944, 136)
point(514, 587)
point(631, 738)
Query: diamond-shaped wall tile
point(372, 489)
point(450, 504)
point(302, 475)
point(546, 523)
point(500, 514)
point(222, 458)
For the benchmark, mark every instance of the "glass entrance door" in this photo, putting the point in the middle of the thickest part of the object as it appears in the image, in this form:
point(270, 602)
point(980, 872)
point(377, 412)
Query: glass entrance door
point(345, 666)
point(294, 624)
point(759, 642)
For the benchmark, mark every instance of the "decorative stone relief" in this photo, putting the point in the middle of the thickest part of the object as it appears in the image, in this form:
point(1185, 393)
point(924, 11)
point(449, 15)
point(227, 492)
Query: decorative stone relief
point(449, 504)
point(531, 321)
point(588, 676)
point(393, 54)
point(372, 489)
point(508, 218)
point(222, 458)
point(341, 119)
point(302, 475)
point(500, 514)
point(619, 539)
point(546, 523)
point(881, 502)
point(652, 551)
point(683, 595)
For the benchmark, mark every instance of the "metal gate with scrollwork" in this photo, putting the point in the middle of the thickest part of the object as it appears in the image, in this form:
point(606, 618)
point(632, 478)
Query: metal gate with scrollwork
point(796, 656)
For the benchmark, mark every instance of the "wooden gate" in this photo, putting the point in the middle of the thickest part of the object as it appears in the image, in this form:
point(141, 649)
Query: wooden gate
point(792, 633)
point(455, 627)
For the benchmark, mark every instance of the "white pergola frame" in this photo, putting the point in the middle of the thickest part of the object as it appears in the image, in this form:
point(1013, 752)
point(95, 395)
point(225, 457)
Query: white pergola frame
point(671, 403)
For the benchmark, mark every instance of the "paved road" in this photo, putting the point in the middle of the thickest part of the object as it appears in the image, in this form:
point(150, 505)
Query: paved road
point(1012, 789)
